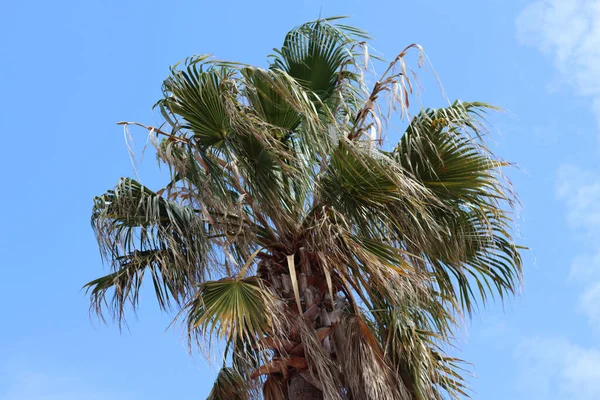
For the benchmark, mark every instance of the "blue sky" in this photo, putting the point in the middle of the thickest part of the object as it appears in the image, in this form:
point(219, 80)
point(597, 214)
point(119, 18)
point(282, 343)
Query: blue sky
point(69, 70)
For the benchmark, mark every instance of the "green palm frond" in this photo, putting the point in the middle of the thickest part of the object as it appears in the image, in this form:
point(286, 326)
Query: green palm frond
point(229, 385)
point(268, 179)
point(127, 280)
point(268, 98)
point(474, 249)
point(313, 54)
point(370, 189)
point(439, 150)
point(411, 335)
point(479, 258)
point(139, 230)
point(196, 96)
point(234, 310)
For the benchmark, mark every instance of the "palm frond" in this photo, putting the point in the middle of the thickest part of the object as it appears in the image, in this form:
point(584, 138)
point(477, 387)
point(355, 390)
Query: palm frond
point(440, 149)
point(139, 230)
point(267, 96)
point(196, 96)
point(365, 370)
point(238, 311)
point(412, 336)
point(273, 389)
point(370, 189)
point(313, 54)
point(229, 385)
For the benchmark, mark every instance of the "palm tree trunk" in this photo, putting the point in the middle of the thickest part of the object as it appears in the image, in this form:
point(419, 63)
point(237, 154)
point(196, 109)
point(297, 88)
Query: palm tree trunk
point(300, 389)
point(312, 298)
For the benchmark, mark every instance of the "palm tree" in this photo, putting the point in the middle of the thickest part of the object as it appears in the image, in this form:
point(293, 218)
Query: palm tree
point(323, 263)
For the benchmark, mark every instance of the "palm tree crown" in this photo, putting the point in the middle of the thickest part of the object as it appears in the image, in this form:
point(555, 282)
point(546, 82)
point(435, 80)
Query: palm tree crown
point(324, 263)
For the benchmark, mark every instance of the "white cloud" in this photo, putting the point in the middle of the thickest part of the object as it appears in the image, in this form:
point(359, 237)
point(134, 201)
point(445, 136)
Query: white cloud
point(567, 31)
point(580, 189)
point(589, 303)
point(556, 369)
point(585, 268)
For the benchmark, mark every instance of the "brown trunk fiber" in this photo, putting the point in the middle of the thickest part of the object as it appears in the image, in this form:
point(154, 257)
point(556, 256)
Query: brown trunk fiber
point(300, 389)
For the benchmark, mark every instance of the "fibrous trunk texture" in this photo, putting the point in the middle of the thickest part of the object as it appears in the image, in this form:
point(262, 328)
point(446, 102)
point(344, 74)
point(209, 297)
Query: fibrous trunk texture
point(300, 389)
point(300, 282)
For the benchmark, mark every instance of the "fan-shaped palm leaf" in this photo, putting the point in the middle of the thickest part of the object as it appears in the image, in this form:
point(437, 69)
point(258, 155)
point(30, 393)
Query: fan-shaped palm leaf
point(196, 96)
point(313, 54)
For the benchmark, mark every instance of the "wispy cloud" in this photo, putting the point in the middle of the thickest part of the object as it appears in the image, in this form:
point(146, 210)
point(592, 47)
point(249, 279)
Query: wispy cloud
point(588, 304)
point(580, 191)
point(585, 268)
point(555, 369)
point(567, 31)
